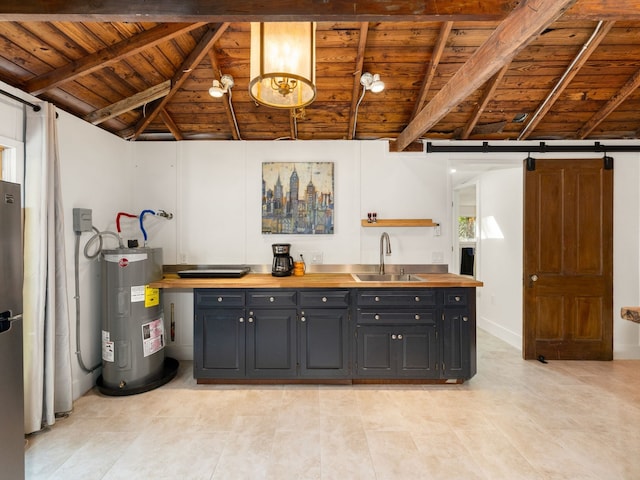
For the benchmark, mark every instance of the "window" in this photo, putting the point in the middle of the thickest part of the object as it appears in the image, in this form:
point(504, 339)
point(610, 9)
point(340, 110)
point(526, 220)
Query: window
point(467, 229)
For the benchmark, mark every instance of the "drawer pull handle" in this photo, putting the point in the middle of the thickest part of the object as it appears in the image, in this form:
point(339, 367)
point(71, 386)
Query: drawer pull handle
point(271, 299)
point(250, 320)
point(324, 299)
point(377, 299)
point(417, 317)
point(457, 298)
point(417, 299)
point(399, 337)
point(241, 320)
point(219, 299)
point(376, 316)
point(303, 319)
point(393, 337)
point(465, 318)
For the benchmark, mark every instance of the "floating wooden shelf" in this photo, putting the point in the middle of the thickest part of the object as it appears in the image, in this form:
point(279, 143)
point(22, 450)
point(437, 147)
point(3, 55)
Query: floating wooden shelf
point(400, 222)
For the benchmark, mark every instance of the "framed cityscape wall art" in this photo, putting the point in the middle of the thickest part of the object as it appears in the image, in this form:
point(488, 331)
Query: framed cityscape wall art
point(297, 198)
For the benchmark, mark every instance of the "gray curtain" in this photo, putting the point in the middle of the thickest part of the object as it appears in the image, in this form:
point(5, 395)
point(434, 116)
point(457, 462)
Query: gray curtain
point(47, 354)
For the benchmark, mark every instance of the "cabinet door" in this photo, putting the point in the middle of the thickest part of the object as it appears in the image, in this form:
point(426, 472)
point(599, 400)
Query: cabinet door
point(389, 351)
point(271, 345)
point(416, 350)
point(374, 357)
point(323, 343)
point(219, 343)
point(456, 343)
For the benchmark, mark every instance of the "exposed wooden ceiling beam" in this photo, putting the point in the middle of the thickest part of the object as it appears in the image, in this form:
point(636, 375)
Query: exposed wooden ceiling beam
point(171, 125)
point(300, 10)
point(355, 92)
point(621, 95)
point(149, 95)
point(486, 96)
point(226, 102)
point(514, 33)
point(106, 56)
point(195, 57)
point(604, 10)
point(601, 31)
point(436, 55)
point(250, 10)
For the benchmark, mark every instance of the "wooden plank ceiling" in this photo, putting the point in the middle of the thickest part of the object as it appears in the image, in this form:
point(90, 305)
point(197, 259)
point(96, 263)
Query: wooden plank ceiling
point(490, 70)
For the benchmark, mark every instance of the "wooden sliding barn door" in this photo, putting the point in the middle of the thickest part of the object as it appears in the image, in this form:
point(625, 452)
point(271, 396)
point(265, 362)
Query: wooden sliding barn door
point(568, 259)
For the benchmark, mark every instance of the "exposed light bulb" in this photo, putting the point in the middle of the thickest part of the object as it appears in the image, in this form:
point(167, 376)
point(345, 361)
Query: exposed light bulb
point(216, 90)
point(377, 85)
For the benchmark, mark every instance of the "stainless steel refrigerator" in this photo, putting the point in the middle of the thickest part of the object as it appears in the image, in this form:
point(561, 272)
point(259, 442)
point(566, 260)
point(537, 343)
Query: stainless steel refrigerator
point(11, 364)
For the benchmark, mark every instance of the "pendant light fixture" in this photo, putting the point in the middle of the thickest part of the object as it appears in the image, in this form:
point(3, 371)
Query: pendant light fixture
point(283, 64)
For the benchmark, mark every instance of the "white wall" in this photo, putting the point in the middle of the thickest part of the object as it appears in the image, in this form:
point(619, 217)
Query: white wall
point(95, 173)
point(626, 253)
point(404, 185)
point(499, 301)
point(214, 191)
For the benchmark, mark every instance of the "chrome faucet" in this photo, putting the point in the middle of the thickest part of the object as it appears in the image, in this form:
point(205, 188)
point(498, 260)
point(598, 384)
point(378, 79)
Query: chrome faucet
point(384, 236)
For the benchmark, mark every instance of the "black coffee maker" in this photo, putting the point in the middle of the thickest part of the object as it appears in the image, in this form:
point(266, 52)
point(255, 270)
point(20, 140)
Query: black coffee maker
point(282, 260)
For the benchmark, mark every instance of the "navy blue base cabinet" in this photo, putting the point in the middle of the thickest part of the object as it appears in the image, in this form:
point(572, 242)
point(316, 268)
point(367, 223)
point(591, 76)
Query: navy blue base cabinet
point(334, 335)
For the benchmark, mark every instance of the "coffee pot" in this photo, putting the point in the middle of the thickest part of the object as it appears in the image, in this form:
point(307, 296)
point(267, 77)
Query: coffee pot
point(282, 261)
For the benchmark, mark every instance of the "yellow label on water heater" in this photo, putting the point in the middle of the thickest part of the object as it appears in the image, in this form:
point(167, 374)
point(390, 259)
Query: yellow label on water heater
point(151, 296)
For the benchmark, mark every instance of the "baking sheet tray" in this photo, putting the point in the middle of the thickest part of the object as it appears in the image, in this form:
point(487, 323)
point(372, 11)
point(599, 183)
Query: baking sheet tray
point(217, 272)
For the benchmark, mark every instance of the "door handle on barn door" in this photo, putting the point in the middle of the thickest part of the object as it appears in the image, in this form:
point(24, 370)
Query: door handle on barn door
point(532, 279)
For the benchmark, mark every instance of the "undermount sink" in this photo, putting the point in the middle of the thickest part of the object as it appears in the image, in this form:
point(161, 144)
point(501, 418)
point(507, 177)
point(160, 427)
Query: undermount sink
point(386, 277)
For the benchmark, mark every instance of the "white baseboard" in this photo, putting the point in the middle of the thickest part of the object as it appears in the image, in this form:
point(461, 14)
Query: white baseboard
point(620, 352)
point(626, 352)
point(500, 332)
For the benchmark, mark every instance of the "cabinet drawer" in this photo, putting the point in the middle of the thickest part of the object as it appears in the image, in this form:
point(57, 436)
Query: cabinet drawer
point(272, 298)
point(405, 298)
point(324, 298)
point(389, 317)
point(219, 298)
point(455, 297)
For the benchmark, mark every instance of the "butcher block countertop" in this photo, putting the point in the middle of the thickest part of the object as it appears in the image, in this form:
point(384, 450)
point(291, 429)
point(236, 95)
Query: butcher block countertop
point(312, 280)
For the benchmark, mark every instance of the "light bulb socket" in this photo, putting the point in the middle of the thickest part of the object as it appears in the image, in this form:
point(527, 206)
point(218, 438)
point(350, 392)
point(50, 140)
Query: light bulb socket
point(227, 81)
point(365, 79)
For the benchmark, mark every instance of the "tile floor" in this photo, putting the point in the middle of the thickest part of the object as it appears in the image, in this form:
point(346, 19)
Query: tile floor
point(515, 419)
